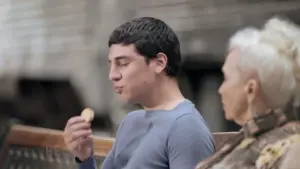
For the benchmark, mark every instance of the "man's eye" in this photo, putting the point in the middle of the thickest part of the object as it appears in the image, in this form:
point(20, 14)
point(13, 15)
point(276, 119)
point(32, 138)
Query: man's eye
point(123, 64)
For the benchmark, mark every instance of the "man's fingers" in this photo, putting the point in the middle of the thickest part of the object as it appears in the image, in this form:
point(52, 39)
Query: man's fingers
point(75, 144)
point(79, 126)
point(86, 140)
point(77, 135)
point(74, 120)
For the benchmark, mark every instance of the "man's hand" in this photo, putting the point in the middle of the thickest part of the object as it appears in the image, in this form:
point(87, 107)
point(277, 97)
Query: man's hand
point(78, 137)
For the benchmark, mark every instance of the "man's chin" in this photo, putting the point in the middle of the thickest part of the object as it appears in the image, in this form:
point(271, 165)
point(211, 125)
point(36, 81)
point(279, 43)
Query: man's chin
point(126, 99)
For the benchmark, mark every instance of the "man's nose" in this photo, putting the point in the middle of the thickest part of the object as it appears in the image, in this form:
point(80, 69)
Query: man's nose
point(114, 75)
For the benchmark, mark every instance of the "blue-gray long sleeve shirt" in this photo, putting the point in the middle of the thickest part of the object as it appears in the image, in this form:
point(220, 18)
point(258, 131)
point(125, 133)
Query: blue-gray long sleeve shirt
point(159, 139)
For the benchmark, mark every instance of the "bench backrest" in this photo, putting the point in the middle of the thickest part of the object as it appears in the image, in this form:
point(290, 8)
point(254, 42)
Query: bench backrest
point(32, 146)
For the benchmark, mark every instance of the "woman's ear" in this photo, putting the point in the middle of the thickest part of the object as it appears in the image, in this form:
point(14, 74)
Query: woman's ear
point(251, 90)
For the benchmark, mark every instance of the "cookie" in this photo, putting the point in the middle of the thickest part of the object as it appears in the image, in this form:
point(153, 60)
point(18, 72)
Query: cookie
point(88, 115)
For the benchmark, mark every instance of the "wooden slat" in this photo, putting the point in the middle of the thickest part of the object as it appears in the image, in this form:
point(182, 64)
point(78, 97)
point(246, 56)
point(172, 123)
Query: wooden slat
point(52, 139)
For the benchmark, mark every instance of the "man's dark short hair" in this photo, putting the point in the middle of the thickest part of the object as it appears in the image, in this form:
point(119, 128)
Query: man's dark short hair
point(150, 36)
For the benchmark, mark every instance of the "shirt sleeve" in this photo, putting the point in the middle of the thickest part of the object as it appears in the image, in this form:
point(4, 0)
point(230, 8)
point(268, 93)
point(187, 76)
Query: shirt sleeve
point(88, 164)
point(91, 162)
point(108, 162)
point(189, 142)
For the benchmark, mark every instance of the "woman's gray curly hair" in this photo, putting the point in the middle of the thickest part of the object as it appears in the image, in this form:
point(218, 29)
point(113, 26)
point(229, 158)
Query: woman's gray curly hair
point(273, 52)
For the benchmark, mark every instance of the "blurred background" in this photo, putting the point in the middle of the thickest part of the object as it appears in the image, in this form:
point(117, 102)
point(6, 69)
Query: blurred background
point(53, 54)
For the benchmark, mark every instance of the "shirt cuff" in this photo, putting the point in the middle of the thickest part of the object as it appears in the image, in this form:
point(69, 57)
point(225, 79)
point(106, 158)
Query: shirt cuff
point(90, 163)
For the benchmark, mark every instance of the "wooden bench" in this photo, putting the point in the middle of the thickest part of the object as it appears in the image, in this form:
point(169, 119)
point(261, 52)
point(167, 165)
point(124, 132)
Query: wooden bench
point(33, 147)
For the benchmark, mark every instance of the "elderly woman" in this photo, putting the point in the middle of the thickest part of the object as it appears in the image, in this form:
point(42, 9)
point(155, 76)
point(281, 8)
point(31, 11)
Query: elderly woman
point(262, 77)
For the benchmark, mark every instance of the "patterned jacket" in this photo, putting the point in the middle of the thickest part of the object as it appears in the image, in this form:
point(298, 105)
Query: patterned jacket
point(266, 142)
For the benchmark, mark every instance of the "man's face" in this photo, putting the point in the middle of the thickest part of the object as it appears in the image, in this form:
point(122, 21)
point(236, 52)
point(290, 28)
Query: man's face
point(131, 75)
point(234, 97)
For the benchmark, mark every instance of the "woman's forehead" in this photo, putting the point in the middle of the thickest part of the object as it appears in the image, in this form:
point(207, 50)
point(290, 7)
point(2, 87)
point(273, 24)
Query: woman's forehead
point(231, 61)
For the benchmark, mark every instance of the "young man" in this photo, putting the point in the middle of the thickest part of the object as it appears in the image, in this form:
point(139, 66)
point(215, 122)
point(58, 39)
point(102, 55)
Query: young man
point(144, 58)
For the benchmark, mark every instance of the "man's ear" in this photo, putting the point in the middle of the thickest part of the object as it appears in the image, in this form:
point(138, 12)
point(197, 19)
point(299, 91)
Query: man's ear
point(161, 62)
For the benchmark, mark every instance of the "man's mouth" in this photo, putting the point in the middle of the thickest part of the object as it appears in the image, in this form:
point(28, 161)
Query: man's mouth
point(118, 89)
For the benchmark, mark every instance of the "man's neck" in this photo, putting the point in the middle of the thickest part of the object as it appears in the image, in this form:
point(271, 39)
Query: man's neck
point(165, 96)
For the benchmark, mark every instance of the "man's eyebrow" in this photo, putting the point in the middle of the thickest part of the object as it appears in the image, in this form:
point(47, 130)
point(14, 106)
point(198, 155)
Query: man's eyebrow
point(121, 57)
point(118, 58)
